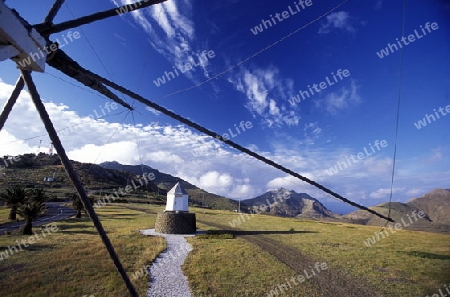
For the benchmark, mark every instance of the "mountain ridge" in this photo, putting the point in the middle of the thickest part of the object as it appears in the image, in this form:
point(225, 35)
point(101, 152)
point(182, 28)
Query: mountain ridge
point(435, 206)
point(288, 203)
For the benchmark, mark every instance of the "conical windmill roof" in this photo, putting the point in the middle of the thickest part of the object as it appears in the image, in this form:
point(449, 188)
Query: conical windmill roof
point(177, 190)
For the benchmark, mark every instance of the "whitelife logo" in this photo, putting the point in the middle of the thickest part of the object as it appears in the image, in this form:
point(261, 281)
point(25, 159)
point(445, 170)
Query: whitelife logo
point(322, 85)
point(24, 243)
point(411, 38)
point(441, 294)
point(294, 281)
point(383, 234)
point(423, 123)
point(49, 49)
point(266, 24)
point(242, 125)
point(344, 165)
point(169, 75)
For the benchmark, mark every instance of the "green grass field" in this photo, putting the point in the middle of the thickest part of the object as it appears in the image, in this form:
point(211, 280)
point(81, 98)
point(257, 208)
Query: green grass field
point(74, 262)
point(406, 263)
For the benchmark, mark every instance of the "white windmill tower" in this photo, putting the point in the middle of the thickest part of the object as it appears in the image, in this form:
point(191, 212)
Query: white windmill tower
point(177, 199)
point(176, 219)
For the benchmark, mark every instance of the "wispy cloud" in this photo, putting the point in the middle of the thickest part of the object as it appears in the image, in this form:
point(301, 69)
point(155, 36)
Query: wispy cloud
point(385, 192)
point(378, 4)
point(152, 110)
point(311, 132)
point(343, 99)
point(171, 33)
point(267, 95)
point(338, 20)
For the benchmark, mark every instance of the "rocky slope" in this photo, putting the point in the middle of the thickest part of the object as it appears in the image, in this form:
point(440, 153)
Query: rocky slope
point(285, 203)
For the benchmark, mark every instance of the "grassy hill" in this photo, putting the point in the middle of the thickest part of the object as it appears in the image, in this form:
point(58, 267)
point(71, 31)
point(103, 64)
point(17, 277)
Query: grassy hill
point(31, 170)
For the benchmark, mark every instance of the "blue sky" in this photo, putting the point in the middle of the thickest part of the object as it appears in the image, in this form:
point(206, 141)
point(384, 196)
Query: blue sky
point(252, 78)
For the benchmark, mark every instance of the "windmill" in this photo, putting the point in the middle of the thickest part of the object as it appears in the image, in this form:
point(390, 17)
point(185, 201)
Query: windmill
point(21, 41)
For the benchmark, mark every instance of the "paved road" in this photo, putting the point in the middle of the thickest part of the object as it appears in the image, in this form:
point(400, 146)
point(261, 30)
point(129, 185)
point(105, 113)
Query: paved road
point(55, 212)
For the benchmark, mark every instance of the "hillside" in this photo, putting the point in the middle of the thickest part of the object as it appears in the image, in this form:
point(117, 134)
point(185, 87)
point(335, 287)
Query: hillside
point(31, 170)
point(434, 205)
point(165, 182)
point(287, 203)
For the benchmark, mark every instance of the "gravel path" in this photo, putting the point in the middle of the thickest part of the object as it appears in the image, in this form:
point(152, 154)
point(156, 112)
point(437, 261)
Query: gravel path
point(166, 277)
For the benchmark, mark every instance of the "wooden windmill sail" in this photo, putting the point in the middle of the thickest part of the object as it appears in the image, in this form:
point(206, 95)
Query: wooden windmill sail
point(18, 39)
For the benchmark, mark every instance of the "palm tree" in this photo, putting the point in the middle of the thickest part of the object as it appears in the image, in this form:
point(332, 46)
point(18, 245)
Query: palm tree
point(39, 194)
point(13, 197)
point(29, 210)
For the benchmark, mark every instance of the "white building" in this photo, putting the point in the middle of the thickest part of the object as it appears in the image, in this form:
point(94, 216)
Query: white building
point(177, 199)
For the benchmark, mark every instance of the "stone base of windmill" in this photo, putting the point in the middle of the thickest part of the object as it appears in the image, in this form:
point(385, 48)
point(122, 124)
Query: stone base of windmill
point(175, 223)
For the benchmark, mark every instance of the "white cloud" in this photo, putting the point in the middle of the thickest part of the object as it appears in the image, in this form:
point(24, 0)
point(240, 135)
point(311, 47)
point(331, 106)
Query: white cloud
point(343, 99)
point(378, 166)
point(13, 145)
point(152, 110)
point(415, 193)
point(312, 133)
point(339, 20)
point(171, 33)
point(437, 154)
point(216, 181)
point(164, 157)
point(267, 94)
point(385, 193)
point(124, 152)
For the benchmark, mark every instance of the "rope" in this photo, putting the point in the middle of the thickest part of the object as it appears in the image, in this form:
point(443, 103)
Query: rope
point(400, 82)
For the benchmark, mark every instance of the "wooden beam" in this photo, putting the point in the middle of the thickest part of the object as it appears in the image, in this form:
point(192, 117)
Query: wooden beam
point(11, 101)
point(26, 75)
point(14, 31)
point(53, 11)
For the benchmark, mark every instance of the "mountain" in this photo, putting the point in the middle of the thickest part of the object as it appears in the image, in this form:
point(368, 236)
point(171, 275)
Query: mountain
point(285, 203)
point(32, 170)
point(434, 205)
point(164, 181)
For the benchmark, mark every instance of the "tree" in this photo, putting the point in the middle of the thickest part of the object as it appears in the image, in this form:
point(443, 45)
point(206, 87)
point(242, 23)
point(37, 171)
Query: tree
point(39, 194)
point(78, 204)
point(13, 197)
point(29, 210)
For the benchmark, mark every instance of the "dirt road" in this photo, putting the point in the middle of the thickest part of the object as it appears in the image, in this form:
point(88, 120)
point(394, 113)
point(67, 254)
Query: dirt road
point(330, 282)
